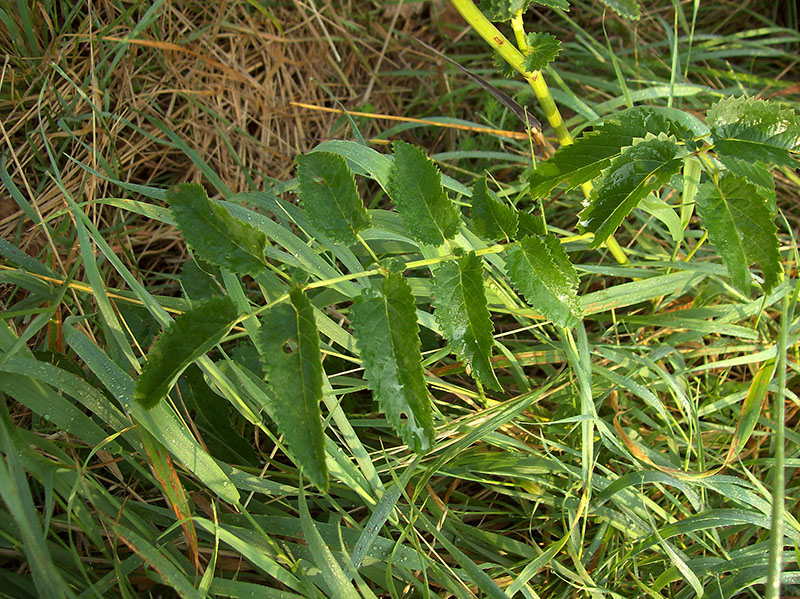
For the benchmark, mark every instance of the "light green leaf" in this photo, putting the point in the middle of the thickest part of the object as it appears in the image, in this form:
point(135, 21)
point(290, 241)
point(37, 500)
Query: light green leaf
point(415, 186)
point(330, 197)
point(655, 206)
point(639, 170)
point(691, 181)
point(339, 585)
point(289, 346)
point(216, 236)
point(541, 271)
point(387, 334)
point(754, 130)
point(562, 4)
point(586, 158)
point(627, 9)
point(491, 219)
point(740, 225)
point(189, 337)
point(542, 50)
point(461, 311)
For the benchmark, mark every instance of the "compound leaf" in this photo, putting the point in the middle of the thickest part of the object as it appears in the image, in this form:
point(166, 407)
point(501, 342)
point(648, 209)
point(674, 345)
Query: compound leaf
point(754, 130)
point(542, 272)
point(190, 336)
point(740, 225)
point(542, 50)
point(415, 186)
point(637, 171)
point(492, 219)
point(214, 234)
point(460, 309)
point(288, 342)
point(330, 197)
point(387, 334)
point(591, 153)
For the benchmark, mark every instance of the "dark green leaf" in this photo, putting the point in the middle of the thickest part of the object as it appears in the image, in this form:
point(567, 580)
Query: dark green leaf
point(542, 50)
point(502, 10)
point(289, 346)
point(542, 272)
point(415, 186)
point(627, 9)
point(492, 219)
point(758, 174)
point(754, 130)
point(586, 158)
point(529, 224)
point(387, 334)
point(198, 281)
point(740, 225)
point(639, 170)
point(460, 309)
point(330, 197)
point(190, 336)
point(216, 236)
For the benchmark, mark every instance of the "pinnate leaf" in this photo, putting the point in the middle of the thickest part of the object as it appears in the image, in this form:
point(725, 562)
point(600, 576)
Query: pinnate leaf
point(638, 170)
point(492, 219)
point(591, 153)
point(460, 309)
point(214, 234)
point(329, 195)
point(415, 186)
point(754, 130)
point(540, 270)
point(189, 337)
point(387, 335)
point(288, 342)
point(740, 225)
point(542, 50)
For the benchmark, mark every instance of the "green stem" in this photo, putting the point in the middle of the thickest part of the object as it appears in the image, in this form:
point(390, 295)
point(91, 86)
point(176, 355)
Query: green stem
point(519, 32)
point(500, 44)
point(779, 491)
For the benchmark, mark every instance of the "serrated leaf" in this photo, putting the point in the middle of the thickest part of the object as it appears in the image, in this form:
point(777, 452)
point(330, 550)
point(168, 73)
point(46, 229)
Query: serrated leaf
point(329, 195)
point(542, 272)
point(415, 186)
point(460, 309)
point(529, 225)
point(387, 334)
point(562, 4)
point(739, 224)
point(627, 9)
point(190, 336)
point(502, 10)
point(215, 235)
point(491, 219)
point(637, 171)
point(288, 342)
point(542, 50)
point(586, 158)
point(754, 130)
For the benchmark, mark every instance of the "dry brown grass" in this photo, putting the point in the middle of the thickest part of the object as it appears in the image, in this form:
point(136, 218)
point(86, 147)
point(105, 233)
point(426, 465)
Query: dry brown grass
point(217, 77)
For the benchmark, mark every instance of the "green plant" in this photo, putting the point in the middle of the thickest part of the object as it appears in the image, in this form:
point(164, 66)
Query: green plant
point(593, 418)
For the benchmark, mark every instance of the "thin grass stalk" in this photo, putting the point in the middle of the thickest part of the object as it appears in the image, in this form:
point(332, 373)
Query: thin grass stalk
point(778, 491)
